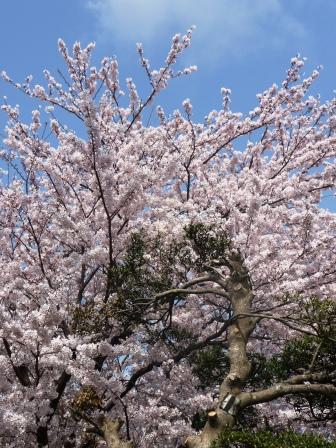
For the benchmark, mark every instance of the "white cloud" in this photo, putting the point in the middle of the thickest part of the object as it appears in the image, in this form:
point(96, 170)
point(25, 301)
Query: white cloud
point(223, 26)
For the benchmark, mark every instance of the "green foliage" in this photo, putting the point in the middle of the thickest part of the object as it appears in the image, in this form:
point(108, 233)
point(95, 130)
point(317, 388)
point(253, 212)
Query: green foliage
point(88, 319)
point(199, 420)
point(207, 243)
point(300, 352)
point(321, 313)
point(88, 441)
point(266, 371)
point(267, 439)
point(86, 399)
point(210, 365)
point(132, 282)
point(131, 285)
point(146, 268)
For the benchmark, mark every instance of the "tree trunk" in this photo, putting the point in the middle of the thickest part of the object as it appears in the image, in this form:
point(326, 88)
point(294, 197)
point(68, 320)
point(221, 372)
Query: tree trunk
point(111, 435)
point(217, 422)
point(224, 415)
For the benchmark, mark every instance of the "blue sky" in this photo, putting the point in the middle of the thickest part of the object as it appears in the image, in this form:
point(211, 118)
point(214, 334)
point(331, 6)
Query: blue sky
point(244, 45)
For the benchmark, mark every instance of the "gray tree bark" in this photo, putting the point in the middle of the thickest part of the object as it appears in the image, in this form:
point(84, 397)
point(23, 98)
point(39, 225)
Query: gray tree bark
point(239, 291)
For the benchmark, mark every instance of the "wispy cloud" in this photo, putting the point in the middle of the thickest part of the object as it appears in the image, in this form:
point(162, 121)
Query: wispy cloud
point(231, 27)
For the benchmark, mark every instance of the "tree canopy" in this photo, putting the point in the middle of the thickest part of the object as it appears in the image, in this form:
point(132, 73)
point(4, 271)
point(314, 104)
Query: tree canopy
point(162, 283)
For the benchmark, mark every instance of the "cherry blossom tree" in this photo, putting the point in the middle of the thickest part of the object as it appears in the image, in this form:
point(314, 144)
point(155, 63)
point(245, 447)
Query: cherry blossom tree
point(129, 251)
